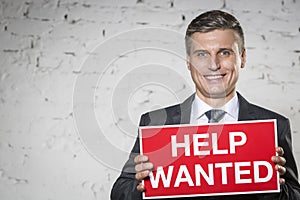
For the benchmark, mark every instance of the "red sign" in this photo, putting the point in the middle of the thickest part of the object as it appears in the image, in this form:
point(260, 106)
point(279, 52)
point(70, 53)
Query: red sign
point(212, 159)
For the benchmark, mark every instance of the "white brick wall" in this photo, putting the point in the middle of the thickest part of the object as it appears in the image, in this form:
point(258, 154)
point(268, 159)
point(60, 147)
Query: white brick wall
point(48, 46)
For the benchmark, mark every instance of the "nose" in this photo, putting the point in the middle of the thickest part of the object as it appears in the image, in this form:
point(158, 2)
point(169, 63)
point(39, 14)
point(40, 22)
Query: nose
point(214, 63)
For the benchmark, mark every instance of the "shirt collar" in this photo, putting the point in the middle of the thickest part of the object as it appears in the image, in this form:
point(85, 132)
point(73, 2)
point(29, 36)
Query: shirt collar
point(199, 107)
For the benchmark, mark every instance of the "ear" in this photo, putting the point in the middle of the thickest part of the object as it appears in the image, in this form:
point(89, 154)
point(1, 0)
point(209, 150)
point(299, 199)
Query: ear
point(188, 62)
point(243, 58)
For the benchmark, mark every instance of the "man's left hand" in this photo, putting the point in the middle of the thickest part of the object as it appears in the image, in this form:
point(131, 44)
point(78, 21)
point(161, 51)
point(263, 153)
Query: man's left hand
point(280, 163)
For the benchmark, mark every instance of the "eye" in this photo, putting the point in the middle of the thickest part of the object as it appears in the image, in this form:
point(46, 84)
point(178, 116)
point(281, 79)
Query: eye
point(225, 52)
point(202, 54)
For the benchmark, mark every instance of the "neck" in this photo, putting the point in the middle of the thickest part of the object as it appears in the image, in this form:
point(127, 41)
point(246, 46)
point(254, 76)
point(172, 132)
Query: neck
point(216, 102)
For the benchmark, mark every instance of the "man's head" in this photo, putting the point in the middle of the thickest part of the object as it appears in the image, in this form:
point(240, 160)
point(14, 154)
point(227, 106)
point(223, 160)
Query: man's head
point(215, 53)
point(214, 20)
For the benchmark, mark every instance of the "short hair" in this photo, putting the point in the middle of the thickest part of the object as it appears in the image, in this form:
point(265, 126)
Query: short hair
point(214, 20)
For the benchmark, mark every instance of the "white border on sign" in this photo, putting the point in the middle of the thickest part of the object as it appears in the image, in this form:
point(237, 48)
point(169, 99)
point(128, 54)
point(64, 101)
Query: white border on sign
point(205, 124)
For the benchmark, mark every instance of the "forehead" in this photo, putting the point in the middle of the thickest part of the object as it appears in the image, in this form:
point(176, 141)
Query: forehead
point(216, 38)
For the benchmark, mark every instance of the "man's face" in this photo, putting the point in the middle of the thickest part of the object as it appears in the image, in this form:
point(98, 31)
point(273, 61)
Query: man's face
point(214, 62)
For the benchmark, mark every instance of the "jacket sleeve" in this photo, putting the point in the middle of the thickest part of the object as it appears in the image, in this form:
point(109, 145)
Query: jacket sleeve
point(291, 189)
point(125, 186)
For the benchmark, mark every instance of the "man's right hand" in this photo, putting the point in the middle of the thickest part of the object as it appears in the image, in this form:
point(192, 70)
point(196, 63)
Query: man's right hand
point(142, 169)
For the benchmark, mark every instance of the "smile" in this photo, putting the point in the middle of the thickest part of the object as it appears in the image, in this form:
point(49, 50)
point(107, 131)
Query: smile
point(213, 77)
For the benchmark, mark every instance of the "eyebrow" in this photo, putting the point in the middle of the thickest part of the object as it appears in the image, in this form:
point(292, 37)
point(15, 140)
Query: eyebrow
point(227, 49)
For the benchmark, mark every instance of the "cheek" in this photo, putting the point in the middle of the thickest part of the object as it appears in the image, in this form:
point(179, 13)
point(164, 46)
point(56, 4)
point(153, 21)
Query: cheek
point(196, 74)
point(228, 61)
point(198, 68)
point(230, 64)
point(194, 69)
point(200, 64)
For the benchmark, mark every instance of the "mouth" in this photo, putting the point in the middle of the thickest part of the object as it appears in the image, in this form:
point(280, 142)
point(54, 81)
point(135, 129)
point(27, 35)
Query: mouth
point(214, 77)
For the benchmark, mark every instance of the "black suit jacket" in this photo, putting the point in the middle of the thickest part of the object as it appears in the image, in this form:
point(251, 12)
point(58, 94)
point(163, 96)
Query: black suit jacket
point(125, 186)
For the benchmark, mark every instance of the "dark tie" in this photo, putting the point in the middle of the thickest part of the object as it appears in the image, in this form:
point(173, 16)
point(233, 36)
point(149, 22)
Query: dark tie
point(215, 115)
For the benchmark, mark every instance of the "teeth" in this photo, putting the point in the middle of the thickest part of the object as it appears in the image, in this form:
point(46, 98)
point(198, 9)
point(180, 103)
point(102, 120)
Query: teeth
point(213, 77)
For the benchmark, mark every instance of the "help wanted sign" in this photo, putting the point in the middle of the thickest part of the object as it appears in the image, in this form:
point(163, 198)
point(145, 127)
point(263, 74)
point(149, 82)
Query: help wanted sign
point(212, 159)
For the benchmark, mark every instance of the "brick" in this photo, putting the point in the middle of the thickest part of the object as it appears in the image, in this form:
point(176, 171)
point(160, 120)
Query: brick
point(198, 6)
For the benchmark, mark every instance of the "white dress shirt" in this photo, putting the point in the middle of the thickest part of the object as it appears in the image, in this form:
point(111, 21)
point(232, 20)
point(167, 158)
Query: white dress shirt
point(199, 108)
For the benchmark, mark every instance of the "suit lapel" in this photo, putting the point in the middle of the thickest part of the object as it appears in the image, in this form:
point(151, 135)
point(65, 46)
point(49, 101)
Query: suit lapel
point(183, 111)
point(245, 113)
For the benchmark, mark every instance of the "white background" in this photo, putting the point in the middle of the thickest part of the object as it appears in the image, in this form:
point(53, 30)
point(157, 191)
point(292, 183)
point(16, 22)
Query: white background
point(45, 46)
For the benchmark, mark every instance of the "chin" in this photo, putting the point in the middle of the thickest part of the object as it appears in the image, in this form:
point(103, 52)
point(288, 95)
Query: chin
point(217, 96)
point(216, 93)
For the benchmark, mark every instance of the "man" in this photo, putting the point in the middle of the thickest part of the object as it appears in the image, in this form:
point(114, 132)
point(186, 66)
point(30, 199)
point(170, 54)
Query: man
point(215, 53)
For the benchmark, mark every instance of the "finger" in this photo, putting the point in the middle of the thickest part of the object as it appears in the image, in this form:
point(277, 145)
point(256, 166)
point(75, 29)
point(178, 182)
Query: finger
point(281, 181)
point(279, 160)
point(140, 187)
point(140, 159)
point(280, 151)
point(143, 166)
point(142, 175)
point(280, 169)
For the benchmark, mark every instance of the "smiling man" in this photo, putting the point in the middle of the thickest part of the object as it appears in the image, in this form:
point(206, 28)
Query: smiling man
point(215, 54)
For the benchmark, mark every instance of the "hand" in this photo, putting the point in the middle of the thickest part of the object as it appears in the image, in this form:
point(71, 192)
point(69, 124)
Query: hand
point(142, 169)
point(279, 163)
